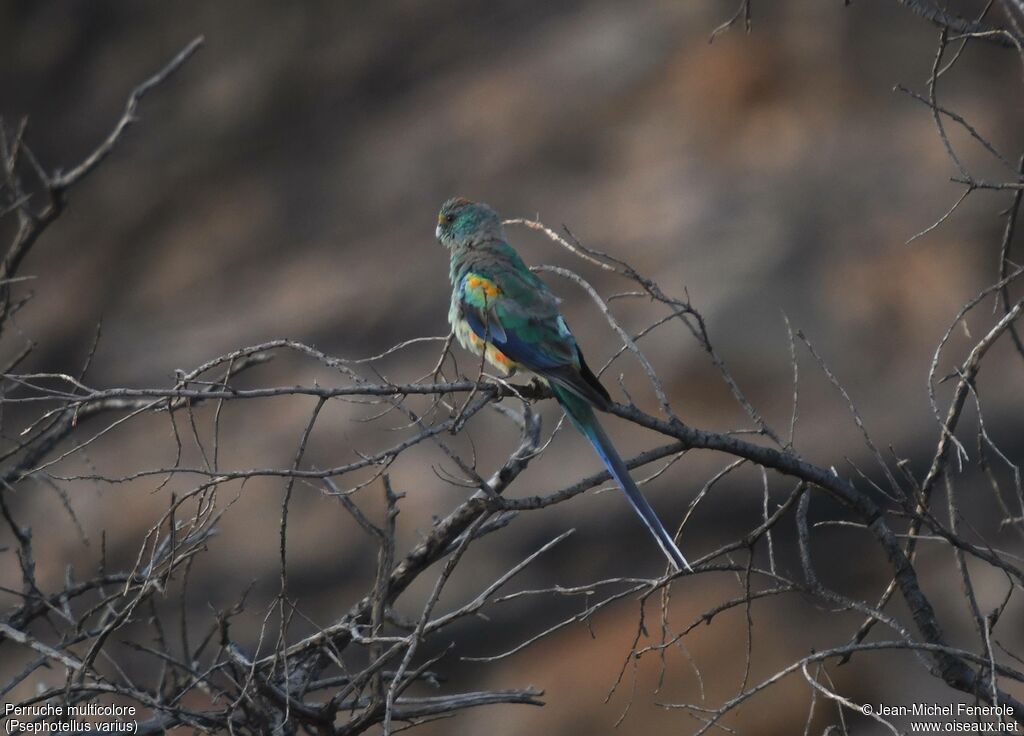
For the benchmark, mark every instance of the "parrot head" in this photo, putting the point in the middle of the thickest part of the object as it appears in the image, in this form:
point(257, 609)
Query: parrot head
point(464, 223)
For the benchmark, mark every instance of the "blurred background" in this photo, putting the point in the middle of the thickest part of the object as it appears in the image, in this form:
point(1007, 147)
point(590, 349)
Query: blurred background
point(285, 183)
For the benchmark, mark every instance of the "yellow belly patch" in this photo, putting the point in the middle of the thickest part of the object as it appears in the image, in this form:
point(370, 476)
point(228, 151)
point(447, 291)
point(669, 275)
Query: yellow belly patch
point(474, 344)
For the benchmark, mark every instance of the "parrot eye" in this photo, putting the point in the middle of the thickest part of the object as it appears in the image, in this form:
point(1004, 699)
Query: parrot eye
point(449, 218)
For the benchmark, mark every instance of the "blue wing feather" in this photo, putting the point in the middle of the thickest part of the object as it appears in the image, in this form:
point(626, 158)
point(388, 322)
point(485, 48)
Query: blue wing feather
point(577, 376)
point(507, 341)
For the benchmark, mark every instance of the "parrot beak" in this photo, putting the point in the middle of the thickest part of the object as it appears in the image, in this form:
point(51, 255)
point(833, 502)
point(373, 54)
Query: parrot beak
point(437, 232)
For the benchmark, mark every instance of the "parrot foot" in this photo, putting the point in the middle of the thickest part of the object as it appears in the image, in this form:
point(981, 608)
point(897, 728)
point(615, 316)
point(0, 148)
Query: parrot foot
point(538, 387)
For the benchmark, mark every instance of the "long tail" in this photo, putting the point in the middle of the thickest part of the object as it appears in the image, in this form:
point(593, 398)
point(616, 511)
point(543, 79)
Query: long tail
point(582, 415)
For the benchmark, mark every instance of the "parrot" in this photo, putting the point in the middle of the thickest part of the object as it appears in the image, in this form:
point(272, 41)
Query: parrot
point(504, 313)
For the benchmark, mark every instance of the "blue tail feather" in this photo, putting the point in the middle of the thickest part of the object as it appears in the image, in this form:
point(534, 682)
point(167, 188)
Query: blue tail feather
point(583, 417)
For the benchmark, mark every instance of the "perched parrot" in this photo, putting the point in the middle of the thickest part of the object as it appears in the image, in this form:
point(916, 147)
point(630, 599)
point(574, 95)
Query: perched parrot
point(502, 311)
